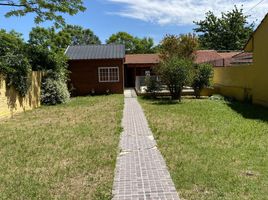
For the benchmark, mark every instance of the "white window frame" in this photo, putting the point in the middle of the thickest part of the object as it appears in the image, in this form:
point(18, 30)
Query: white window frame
point(109, 77)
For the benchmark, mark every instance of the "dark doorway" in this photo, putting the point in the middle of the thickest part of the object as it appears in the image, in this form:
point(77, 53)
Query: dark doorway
point(129, 77)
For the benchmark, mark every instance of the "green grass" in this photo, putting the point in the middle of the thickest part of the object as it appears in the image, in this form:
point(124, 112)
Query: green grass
point(213, 149)
point(61, 152)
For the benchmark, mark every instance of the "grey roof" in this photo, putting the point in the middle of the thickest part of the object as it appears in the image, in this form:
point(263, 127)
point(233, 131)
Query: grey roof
point(94, 52)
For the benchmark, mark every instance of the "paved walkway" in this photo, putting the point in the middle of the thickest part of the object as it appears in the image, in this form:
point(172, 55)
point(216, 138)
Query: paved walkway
point(141, 172)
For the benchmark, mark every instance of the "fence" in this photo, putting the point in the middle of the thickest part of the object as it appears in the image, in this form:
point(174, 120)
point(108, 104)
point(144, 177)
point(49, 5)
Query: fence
point(11, 102)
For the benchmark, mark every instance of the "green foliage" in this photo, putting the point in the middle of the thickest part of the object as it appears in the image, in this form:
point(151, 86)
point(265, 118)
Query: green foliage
point(14, 64)
point(54, 91)
point(144, 45)
point(174, 73)
point(132, 44)
point(58, 41)
point(46, 53)
point(45, 10)
point(230, 32)
point(80, 36)
point(181, 46)
point(202, 74)
point(152, 85)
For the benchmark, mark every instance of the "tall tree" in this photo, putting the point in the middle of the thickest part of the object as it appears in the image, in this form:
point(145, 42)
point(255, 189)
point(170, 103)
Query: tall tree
point(14, 64)
point(59, 41)
point(132, 44)
point(125, 39)
point(144, 45)
point(229, 32)
point(80, 36)
point(44, 9)
point(181, 46)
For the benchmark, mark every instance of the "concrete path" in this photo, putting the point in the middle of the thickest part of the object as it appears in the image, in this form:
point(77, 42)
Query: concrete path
point(141, 172)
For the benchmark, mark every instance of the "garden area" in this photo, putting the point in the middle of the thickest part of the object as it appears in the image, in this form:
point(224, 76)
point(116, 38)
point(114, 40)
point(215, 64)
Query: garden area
point(66, 151)
point(214, 149)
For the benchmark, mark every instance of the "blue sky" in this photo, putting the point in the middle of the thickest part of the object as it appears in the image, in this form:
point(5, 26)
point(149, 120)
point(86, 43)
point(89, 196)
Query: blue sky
point(143, 18)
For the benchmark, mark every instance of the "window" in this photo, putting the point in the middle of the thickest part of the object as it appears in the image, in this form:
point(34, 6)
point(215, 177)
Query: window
point(108, 74)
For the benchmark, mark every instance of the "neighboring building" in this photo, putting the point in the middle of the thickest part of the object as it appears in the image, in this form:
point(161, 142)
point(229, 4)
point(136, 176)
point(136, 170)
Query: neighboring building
point(257, 45)
point(247, 76)
point(96, 69)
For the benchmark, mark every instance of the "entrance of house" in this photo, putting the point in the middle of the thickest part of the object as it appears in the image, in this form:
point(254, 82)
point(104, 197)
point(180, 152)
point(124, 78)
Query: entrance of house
point(129, 77)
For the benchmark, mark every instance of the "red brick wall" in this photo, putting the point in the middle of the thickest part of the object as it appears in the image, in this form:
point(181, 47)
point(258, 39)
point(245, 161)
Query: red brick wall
point(84, 76)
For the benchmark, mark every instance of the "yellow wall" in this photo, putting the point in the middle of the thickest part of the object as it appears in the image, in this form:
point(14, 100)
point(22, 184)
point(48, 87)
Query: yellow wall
point(234, 81)
point(11, 102)
point(261, 64)
point(244, 80)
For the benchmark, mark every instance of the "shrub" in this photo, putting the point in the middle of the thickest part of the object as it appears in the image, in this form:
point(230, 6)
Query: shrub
point(54, 91)
point(175, 73)
point(152, 85)
point(202, 75)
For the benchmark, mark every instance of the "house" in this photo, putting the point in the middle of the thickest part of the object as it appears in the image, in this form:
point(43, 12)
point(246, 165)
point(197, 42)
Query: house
point(96, 69)
point(247, 77)
point(257, 44)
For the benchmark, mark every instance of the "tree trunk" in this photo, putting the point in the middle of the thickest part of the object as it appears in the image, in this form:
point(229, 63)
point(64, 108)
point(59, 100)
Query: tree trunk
point(197, 92)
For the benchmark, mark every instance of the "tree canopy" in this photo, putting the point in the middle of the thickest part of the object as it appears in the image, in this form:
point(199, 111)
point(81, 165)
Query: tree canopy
point(181, 46)
point(45, 10)
point(132, 44)
point(229, 32)
point(14, 64)
point(80, 36)
point(58, 41)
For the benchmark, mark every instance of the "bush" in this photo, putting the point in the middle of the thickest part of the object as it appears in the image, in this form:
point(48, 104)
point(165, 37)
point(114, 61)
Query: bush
point(175, 73)
point(152, 85)
point(54, 92)
point(202, 75)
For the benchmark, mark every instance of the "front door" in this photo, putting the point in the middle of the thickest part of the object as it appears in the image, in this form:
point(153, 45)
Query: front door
point(129, 77)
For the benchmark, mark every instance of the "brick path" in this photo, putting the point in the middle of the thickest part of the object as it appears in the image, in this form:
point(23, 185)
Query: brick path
point(141, 172)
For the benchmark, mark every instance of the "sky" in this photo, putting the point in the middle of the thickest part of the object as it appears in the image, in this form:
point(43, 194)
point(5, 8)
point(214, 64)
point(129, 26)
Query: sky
point(142, 18)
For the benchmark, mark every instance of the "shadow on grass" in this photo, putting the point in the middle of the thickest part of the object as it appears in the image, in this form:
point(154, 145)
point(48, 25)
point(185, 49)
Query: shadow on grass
point(159, 100)
point(166, 100)
point(250, 111)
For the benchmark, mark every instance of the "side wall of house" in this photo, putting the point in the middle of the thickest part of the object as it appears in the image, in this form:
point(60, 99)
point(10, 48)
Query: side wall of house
point(12, 103)
point(261, 63)
point(241, 81)
point(84, 77)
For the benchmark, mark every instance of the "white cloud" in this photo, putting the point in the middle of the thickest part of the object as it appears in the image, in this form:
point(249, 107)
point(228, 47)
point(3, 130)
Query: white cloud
point(184, 12)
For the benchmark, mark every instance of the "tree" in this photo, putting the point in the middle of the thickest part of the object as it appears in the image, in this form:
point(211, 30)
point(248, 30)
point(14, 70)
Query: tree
point(181, 46)
point(59, 41)
point(230, 32)
point(125, 39)
point(144, 45)
point(80, 36)
point(202, 74)
point(14, 64)
point(132, 44)
point(45, 50)
point(174, 73)
point(45, 10)
point(152, 85)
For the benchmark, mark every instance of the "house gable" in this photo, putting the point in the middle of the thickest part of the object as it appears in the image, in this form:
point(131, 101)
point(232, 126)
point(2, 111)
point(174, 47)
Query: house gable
point(249, 47)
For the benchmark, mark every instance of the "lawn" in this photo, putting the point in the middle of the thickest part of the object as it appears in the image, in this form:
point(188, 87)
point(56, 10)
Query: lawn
point(61, 152)
point(213, 149)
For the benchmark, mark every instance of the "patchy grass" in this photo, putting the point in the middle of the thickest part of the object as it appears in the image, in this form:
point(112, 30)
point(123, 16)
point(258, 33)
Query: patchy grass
point(214, 149)
point(61, 152)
